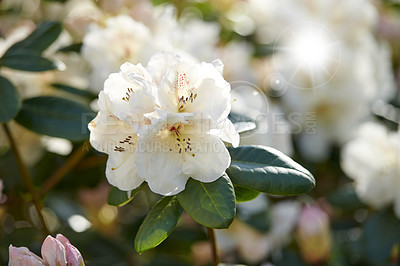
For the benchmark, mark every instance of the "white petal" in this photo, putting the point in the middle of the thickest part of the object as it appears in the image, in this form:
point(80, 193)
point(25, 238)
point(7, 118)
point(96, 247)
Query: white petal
point(121, 171)
point(162, 171)
point(229, 133)
point(108, 132)
point(212, 99)
point(217, 63)
point(210, 160)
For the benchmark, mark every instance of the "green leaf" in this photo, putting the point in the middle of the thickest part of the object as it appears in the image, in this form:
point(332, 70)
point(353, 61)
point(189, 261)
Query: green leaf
point(381, 233)
point(40, 39)
point(56, 117)
point(75, 47)
point(268, 170)
point(210, 204)
point(241, 122)
point(10, 102)
point(346, 198)
point(79, 92)
point(120, 198)
point(245, 194)
point(158, 224)
point(27, 60)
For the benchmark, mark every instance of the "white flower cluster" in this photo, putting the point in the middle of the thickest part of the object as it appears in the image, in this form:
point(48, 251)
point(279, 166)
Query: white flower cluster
point(164, 123)
point(326, 61)
point(372, 160)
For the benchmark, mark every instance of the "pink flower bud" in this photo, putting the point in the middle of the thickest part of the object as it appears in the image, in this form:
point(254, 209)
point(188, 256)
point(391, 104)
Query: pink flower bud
point(53, 252)
point(23, 257)
point(74, 257)
point(313, 235)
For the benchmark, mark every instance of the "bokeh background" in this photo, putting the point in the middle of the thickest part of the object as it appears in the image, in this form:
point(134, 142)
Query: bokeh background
point(316, 79)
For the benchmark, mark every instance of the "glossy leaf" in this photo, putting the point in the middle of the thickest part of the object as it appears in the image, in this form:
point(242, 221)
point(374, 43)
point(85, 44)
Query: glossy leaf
point(40, 39)
point(268, 170)
point(245, 194)
point(72, 90)
point(120, 198)
point(210, 204)
point(158, 224)
point(27, 60)
point(10, 102)
point(381, 233)
point(56, 117)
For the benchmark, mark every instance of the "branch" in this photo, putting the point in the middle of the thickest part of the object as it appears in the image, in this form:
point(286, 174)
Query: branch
point(26, 178)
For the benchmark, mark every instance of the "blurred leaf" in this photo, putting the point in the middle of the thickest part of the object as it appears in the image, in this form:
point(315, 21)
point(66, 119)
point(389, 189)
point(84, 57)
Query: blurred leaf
point(10, 102)
point(210, 204)
point(158, 224)
point(40, 39)
point(66, 88)
point(381, 233)
point(268, 170)
point(55, 117)
point(120, 198)
point(27, 60)
point(244, 194)
point(345, 198)
point(76, 47)
point(241, 122)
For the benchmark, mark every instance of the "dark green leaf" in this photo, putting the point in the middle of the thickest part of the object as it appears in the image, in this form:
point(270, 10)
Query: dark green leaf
point(10, 102)
point(27, 60)
point(346, 198)
point(245, 194)
point(75, 91)
point(57, 117)
point(120, 198)
point(76, 47)
point(241, 122)
point(268, 170)
point(381, 233)
point(210, 204)
point(41, 38)
point(158, 224)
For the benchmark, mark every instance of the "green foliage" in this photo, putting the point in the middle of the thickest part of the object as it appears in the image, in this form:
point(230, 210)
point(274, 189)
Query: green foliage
point(27, 60)
point(268, 170)
point(82, 93)
point(210, 204)
point(10, 102)
point(39, 40)
point(346, 199)
point(57, 117)
point(245, 194)
point(381, 233)
point(26, 55)
point(120, 198)
point(158, 224)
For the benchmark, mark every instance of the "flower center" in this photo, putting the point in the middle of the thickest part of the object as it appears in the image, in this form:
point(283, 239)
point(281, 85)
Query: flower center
point(128, 95)
point(184, 91)
point(183, 144)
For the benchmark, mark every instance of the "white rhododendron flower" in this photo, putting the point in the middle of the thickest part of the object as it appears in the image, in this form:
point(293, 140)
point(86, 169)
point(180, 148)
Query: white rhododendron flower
point(372, 160)
point(164, 124)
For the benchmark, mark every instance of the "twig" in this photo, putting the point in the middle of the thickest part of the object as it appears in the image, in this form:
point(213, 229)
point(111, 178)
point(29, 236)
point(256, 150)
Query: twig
point(58, 175)
point(26, 178)
point(211, 238)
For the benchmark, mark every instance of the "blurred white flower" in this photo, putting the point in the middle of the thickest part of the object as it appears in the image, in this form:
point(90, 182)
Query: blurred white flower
point(328, 64)
point(106, 47)
point(372, 160)
point(122, 39)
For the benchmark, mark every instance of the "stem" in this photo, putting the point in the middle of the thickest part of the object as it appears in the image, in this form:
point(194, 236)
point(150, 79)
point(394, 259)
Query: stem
point(58, 175)
point(26, 178)
point(211, 238)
